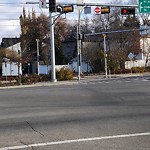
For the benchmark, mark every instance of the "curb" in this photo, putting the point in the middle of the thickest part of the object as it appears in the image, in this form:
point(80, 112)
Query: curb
point(72, 82)
point(40, 84)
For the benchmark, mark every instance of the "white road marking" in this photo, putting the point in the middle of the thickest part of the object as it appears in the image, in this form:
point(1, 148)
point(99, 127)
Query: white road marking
point(75, 141)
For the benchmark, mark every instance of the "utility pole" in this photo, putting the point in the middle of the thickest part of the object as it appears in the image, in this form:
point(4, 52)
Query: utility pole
point(80, 8)
point(38, 69)
point(105, 55)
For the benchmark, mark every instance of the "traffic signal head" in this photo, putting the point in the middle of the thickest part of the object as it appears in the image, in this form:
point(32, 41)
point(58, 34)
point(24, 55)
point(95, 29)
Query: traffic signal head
point(65, 9)
point(52, 5)
point(105, 10)
point(127, 11)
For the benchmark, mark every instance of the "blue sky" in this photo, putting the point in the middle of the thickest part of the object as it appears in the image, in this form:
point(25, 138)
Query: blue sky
point(9, 14)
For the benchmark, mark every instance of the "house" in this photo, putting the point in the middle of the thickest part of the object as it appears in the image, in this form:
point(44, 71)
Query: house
point(85, 67)
point(10, 68)
point(7, 42)
point(69, 48)
point(143, 58)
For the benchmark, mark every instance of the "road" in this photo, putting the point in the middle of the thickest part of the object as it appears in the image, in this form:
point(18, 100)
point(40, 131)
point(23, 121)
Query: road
point(92, 115)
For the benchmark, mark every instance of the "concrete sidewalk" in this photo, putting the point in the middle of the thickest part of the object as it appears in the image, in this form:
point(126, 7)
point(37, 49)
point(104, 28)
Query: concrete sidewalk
point(71, 82)
point(113, 76)
point(75, 81)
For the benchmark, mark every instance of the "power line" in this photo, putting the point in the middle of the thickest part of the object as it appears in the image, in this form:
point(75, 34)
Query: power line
point(18, 5)
point(12, 3)
point(15, 12)
point(9, 25)
point(9, 19)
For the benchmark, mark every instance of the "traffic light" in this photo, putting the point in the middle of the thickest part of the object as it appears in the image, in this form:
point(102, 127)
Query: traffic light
point(52, 5)
point(127, 11)
point(105, 10)
point(65, 9)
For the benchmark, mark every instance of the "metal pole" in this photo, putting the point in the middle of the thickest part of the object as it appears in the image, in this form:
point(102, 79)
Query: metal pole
point(79, 46)
point(38, 69)
point(105, 55)
point(52, 49)
point(28, 68)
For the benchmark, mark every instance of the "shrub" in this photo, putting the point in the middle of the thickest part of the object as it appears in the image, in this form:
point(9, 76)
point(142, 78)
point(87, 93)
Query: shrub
point(64, 74)
point(25, 79)
point(34, 78)
point(147, 69)
point(138, 69)
point(120, 71)
point(1, 84)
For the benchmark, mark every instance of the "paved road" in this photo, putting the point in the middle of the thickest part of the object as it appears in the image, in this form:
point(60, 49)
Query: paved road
point(92, 115)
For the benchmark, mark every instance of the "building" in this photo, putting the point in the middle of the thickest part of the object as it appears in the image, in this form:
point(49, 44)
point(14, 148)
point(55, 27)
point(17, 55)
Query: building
point(11, 68)
point(69, 48)
point(7, 42)
point(85, 67)
point(143, 58)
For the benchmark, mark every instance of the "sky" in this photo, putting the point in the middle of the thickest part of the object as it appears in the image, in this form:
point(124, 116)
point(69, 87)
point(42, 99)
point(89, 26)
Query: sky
point(9, 14)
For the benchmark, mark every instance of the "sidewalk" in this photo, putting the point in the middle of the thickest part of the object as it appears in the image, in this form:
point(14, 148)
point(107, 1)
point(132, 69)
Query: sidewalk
point(40, 84)
point(117, 76)
point(75, 81)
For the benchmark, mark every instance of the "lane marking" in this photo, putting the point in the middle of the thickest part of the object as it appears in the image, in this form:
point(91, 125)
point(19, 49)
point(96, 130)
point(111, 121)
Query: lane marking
point(75, 141)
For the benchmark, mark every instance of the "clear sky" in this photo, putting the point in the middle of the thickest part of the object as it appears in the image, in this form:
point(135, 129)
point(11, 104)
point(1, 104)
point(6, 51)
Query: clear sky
point(10, 10)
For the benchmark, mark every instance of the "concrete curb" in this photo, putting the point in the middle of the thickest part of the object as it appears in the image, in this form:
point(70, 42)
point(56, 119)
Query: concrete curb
point(40, 84)
point(72, 82)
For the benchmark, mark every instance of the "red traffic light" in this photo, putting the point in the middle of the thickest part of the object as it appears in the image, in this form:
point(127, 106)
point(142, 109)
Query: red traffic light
point(124, 11)
point(127, 11)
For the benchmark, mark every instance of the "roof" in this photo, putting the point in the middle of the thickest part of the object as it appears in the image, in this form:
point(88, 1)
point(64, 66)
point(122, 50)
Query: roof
point(7, 42)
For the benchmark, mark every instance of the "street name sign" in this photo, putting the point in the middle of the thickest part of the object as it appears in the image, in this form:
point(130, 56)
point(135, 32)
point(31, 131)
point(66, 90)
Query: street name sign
point(144, 6)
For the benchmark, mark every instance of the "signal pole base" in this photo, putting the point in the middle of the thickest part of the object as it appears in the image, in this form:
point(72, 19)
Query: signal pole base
point(54, 80)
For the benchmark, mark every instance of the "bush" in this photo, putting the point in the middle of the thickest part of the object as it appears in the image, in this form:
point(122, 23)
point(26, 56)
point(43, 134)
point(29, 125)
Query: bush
point(134, 70)
point(25, 79)
point(34, 78)
point(1, 84)
point(64, 74)
point(147, 69)
point(138, 69)
point(121, 71)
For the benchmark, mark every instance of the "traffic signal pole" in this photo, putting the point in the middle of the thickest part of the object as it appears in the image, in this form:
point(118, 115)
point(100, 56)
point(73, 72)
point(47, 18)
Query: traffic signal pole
point(52, 48)
point(52, 8)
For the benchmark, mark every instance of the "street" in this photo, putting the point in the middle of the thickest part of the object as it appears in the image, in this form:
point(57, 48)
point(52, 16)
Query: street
point(91, 115)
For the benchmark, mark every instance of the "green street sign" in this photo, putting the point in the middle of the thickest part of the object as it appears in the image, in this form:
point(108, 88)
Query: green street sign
point(144, 6)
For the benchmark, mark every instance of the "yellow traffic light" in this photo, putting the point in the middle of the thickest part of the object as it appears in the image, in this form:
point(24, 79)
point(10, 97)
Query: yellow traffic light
point(105, 10)
point(65, 9)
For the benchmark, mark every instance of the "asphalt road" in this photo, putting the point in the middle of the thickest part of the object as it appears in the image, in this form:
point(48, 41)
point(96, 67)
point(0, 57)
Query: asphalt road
point(93, 115)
